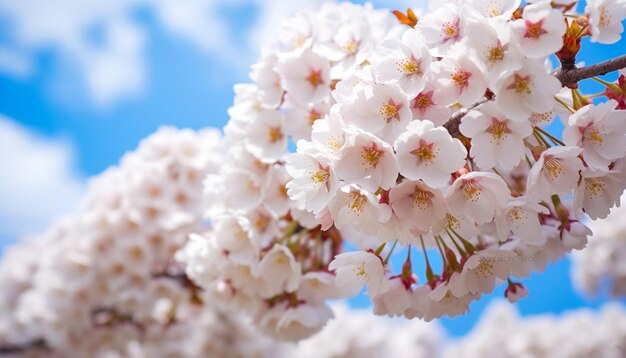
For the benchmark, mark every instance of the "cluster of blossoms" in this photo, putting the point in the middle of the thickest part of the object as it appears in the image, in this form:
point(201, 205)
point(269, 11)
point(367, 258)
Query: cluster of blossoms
point(438, 144)
point(501, 333)
point(265, 254)
point(428, 137)
point(601, 266)
point(358, 333)
point(104, 281)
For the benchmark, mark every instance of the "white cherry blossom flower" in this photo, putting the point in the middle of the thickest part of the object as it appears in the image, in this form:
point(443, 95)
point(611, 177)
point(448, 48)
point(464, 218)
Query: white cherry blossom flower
point(425, 105)
point(267, 80)
point(479, 195)
point(276, 199)
point(492, 43)
point(598, 192)
point(526, 91)
point(382, 109)
point(428, 153)
point(350, 46)
point(520, 216)
point(266, 137)
point(459, 78)
point(318, 286)
point(496, 8)
point(300, 118)
point(297, 32)
point(605, 20)
point(279, 271)
point(539, 32)
point(395, 301)
point(443, 27)
point(357, 269)
point(352, 206)
point(416, 204)
point(328, 133)
point(496, 140)
point(367, 161)
point(483, 268)
point(601, 132)
point(305, 76)
point(403, 58)
point(294, 323)
point(557, 171)
point(314, 181)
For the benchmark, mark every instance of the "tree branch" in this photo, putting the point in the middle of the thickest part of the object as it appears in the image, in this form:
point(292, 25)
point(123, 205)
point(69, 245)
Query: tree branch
point(452, 125)
point(16, 349)
point(569, 76)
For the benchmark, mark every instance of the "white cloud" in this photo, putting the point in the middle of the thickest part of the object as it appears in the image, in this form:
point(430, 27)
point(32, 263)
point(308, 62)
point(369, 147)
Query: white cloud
point(37, 181)
point(102, 42)
point(112, 65)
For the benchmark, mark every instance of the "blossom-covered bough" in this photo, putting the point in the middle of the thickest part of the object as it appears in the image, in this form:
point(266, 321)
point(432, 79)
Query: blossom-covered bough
point(265, 254)
point(103, 281)
point(436, 144)
point(427, 138)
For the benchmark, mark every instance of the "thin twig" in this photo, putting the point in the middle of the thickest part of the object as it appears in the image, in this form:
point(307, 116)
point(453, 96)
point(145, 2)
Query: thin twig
point(22, 348)
point(452, 125)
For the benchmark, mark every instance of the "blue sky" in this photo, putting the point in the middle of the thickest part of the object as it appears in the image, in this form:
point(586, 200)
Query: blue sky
point(162, 72)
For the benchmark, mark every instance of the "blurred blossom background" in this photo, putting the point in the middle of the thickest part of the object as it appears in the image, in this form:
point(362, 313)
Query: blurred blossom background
point(82, 82)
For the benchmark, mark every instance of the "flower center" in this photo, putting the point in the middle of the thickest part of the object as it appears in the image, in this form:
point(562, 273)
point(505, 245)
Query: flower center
point(450, 30)
point(594, 135)
point(275, 134)
point(485, 268)
point(423, 101)
point(594, 186)
point(359, 270)
point(498, 129)
point(410, 66)
point(422, 198)
point(315, 78)
point(521, 84)
point(371, 155)
point(320, 177)
point(424, 152)
point(390, 110)
point(554, 167)
point(461, 79)
point(351, 47)
point(313, 116)
point(471, 190)
point(605, 17)
point(540, 118)
point(534, 29)
point(495, 53)
point(357, 202)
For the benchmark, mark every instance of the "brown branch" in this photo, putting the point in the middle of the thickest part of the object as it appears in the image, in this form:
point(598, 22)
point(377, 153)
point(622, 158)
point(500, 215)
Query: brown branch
point(452, 125)
point(22, 348)
point(569, 76)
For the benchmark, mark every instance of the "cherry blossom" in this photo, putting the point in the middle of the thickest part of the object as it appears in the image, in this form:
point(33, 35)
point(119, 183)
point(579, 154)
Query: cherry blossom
point(357, 269)
point(479, 195)
point(496, 140)
point(605, 20)
point(557, 171)
point(600, 130)
point(428, 153)
point(540, 30)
